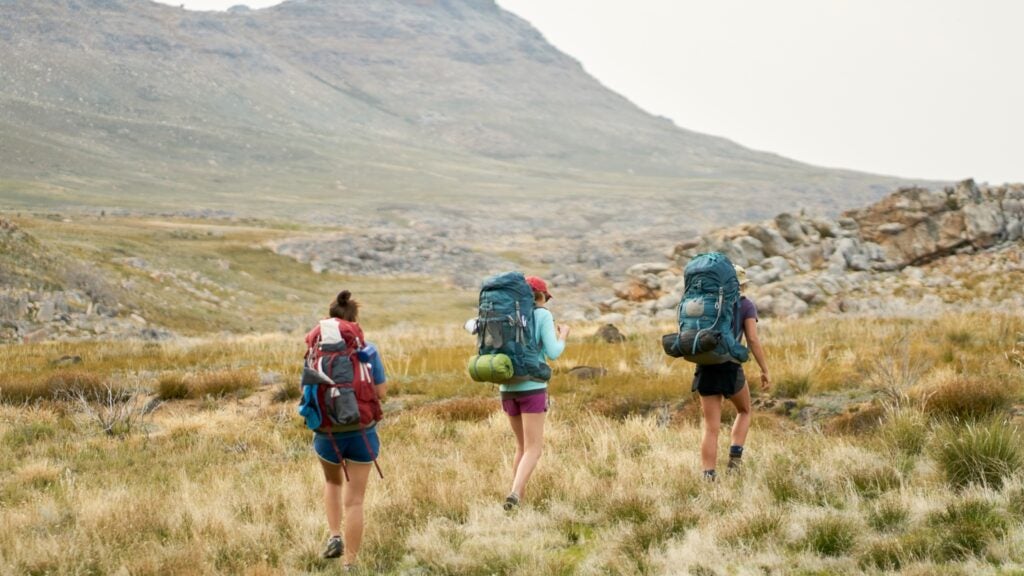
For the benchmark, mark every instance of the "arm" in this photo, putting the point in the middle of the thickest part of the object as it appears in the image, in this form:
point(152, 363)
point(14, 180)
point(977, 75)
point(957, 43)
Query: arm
point(750, 331)
point(380, 378)
point(551, 343)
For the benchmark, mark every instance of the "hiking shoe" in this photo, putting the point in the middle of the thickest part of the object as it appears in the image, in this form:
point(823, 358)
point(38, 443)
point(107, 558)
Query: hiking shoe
point(335, 547)
point(710, 476)
point(511, 502)
point(735, 464)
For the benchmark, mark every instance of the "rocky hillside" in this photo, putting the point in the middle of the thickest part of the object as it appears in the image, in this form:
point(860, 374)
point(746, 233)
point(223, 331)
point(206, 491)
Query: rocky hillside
point(45, 296)
point(915, 252)
point(335, 109)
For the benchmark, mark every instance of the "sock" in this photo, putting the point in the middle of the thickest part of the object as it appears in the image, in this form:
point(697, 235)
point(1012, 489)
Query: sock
point(735, 451)
point(710, 475)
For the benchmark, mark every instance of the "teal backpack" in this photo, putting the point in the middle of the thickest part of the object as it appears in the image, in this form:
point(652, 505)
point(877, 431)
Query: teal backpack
point(707, 312)
point(507, 352)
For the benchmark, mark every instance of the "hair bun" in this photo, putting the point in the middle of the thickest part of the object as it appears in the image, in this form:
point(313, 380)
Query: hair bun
point(343, 297)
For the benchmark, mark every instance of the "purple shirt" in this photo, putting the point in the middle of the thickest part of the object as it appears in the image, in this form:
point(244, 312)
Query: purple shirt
point(747, 310)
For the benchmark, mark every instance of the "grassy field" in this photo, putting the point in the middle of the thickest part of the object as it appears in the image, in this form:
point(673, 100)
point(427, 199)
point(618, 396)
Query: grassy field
point(884, 447)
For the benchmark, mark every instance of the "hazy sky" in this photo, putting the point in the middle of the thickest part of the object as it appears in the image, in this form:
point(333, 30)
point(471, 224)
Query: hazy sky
point(915, 88)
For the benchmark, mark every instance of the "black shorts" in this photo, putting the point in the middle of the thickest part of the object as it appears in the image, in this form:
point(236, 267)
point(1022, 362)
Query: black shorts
point(719, 379)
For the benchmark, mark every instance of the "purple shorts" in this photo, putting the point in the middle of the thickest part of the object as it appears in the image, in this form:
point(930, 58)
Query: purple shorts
point(530, 404)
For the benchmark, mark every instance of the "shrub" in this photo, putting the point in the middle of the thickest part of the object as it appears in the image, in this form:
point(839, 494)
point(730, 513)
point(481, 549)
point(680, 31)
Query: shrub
point(172, 387)
point(831, 536)
point(969, 398)
point(982, 453)
point(965, 528)
point(118, 412)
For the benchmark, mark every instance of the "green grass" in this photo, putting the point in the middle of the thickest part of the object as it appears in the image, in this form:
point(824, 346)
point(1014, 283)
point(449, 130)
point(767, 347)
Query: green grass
point(979, 453)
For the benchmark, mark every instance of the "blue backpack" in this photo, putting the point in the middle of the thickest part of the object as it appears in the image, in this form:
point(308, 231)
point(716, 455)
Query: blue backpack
point(707, 312)
point(507, 352)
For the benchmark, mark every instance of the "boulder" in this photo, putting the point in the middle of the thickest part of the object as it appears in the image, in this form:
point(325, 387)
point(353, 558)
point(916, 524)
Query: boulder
point(635, 291)
point(587, 372)
point(668, 302)
point(610, 334)
point(790, 228)
point(772, 243)
point(787, 305)
point(750, 249)
point(647, 268)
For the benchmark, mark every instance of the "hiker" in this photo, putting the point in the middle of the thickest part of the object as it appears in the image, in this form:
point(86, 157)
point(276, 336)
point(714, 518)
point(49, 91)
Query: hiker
point(526, 403)
point(727, 380)
point(347, 453)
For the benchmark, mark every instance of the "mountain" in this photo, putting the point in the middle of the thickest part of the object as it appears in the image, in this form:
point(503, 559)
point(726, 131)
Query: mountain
point(316, 103)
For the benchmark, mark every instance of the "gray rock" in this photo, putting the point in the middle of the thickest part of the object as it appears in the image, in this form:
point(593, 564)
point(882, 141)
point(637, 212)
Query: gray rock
point(610, 334)
point(892, 228)
point(790, 228)
point(787, 305)
point(612, 318)
point(668, 302)
point(806, 290)
point(587, 372)
point(647, 268)
point(750, 249)
point(772, 243)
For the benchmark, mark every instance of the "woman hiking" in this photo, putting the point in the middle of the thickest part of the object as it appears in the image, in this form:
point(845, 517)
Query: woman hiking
point(526, 403)
point(347, 453)
point(717, 381)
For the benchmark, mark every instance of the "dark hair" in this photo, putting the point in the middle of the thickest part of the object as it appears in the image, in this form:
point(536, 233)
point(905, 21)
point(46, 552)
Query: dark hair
point(540, 296)
point(344, 307)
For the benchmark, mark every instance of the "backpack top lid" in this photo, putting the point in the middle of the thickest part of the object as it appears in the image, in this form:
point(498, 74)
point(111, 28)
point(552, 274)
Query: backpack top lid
point(713, 270)
point(513, 283)
point(335, 335)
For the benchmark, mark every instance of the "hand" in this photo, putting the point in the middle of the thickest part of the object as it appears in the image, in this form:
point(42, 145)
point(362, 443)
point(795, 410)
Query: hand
point(563, 331)
point(766, 381)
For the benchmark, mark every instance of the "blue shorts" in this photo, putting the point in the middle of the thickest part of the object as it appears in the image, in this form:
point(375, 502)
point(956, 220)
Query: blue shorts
point(351, 445)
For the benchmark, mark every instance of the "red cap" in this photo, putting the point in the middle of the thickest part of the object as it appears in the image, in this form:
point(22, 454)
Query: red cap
point(538, 285)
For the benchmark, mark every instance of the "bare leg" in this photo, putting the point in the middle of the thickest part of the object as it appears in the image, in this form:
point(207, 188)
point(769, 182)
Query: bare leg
point(533, 444)
point(355, 490)
point(741, 400)
point(517, 429)
point(332, 496)
point(712, 409)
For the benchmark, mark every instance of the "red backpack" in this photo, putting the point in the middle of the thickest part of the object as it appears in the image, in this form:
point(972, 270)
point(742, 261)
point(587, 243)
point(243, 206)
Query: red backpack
point(338, 387)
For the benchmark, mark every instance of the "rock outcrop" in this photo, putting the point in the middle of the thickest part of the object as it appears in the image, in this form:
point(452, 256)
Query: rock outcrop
point(797, 264)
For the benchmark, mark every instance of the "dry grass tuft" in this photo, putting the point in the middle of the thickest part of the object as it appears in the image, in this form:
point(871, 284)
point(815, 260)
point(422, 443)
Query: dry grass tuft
point(172, 387)
point(202, 384)
point(859, 420)
point(967, 397)
point(463, 409)
point(986, 453)
point(21, 388)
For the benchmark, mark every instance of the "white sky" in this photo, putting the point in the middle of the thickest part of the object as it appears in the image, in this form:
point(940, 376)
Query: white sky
point(914, 88)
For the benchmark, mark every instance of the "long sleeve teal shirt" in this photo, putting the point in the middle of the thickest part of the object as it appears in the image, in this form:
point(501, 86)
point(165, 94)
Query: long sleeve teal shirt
point(550, 348)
